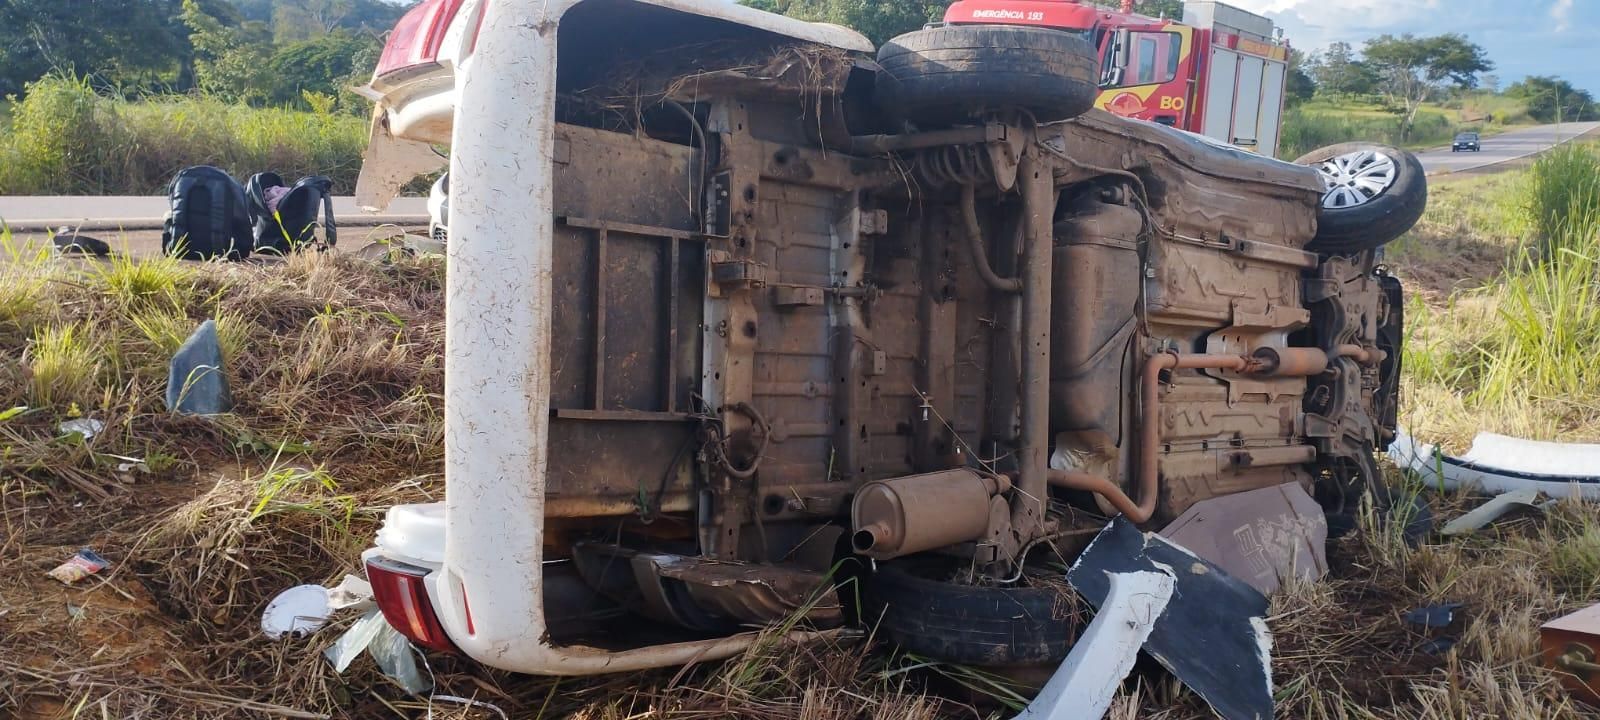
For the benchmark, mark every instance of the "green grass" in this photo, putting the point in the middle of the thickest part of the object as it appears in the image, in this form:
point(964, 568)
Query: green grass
point(1329, 121)
point(1517, 353)
point(65, 139)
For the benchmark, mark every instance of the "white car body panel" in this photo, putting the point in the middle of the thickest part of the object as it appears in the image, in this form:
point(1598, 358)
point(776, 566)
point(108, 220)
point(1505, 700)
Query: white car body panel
point(488, 593)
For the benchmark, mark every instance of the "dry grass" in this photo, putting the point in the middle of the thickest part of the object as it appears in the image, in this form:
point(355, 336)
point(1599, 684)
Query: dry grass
point(337, 368)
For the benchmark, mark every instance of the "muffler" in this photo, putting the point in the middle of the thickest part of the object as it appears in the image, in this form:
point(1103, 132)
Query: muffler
point(911, 514)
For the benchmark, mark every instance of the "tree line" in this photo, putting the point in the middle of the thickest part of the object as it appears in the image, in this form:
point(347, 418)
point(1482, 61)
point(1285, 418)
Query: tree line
point(277, 52)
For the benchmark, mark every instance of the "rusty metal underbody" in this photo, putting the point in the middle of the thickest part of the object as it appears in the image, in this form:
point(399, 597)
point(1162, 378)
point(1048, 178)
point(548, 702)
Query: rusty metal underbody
point(756, 315)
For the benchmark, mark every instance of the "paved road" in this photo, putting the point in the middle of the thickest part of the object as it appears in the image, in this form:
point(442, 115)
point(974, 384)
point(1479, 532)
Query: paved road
point(131, 224)
point(1505, 146)
point(139, 211)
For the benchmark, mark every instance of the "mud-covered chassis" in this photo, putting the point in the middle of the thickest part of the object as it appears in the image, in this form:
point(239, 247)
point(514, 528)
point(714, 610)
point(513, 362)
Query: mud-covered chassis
point(764, 325)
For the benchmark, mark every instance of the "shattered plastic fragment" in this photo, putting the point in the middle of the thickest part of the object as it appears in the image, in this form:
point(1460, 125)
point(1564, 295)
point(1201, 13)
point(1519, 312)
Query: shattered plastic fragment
point(1213, 636)
point(1434, 616)
point(1087, 680)
point(1491, 511)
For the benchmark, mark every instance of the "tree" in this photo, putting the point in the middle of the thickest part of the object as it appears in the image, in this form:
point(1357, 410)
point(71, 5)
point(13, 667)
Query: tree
point(1551, 99)
point(118, 42)
point(879, 20)
point(230, 62)
point(325, 65)
point(1337, 71)
point(1414, 69)
point(1299, 87)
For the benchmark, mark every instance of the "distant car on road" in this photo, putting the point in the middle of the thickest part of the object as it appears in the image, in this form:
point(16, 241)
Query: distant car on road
point(1466, 141)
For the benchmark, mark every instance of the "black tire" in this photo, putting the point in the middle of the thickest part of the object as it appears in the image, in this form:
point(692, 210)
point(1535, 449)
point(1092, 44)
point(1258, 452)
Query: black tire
point(1379, 220)
point(972, 625)
point(947, 75)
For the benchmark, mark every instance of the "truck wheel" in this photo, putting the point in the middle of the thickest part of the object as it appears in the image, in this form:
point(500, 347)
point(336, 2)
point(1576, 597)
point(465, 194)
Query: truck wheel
point(946, 75)
point(1374, 194)
point(969, 624)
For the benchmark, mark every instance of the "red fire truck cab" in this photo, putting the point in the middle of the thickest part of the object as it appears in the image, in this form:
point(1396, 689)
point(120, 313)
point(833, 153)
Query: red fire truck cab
point(1220, 72)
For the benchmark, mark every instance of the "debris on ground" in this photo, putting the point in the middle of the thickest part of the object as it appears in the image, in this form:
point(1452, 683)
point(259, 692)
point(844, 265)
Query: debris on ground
point(388, 648)
point(300, 610)
point(85, 563)
point(85, 428)
point(1434, 616)
point(68, 241)
point(1087, 681)
point(1262, 537)
point(197, 383)
point(1501, 464)
point(1570, 645)
point(1213, 636)
point(1490, 511)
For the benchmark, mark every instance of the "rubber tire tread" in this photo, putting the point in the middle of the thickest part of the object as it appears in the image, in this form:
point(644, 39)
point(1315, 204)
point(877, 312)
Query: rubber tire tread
point(991, 626)
point(946, 75)
point(1381, 220)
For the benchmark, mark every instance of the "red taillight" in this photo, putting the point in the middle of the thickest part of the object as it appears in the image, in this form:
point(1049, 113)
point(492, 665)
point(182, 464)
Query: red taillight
point(404, 601)
point(416, 39)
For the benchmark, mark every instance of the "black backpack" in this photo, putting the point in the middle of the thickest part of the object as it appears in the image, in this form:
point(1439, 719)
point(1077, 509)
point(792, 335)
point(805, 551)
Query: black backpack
point(207, 216)
point(294, 225)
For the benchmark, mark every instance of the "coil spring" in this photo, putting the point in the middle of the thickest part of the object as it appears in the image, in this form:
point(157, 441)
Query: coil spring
point(954, 164)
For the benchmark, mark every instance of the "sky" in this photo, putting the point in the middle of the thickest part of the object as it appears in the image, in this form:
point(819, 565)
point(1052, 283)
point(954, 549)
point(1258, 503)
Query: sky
point(1523, 37)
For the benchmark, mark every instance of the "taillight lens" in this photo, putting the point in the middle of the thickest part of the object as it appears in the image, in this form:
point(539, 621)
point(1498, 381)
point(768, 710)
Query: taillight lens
point(416, 39)
point(398, 589)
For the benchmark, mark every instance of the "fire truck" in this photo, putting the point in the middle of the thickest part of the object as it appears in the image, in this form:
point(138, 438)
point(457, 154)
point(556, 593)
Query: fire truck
point(1219, 72)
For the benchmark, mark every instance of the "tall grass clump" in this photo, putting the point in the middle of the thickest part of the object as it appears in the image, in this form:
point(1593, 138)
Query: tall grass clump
point(1519, 355)
point(66, 139)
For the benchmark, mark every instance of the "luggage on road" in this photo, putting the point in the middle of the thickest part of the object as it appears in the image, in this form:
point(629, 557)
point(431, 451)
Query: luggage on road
point(207, 218)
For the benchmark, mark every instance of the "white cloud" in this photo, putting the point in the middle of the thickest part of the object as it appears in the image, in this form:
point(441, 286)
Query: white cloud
point(1561, 13)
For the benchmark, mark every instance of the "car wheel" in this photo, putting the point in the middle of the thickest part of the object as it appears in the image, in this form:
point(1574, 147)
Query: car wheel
point(970, 624)
point(949, 75)
point(1373, 194)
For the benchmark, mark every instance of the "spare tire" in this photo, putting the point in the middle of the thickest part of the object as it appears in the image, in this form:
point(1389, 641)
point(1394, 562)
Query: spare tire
point(1373, 194)
point(947, 75)
point(970, 624)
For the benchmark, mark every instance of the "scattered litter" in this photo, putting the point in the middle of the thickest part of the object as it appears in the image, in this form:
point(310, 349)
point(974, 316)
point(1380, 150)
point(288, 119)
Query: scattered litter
point(1439, 646)
point(351, 592)
point(1434, 616)
point(469, 703)
point(197, 383)
point(389, 648)
point(1103, 655)
point(85, 563)
point(1213, 636)
point(300, 610)
point(9, 413)
point(1569, 645)
point(1491, 511)
point(85, 427)
point(76, 612)
point(1261, 537)
point(1500, 464)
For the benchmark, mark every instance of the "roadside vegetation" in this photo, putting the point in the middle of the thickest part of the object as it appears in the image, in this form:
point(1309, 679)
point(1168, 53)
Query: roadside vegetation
point(67, 139)
point(1511, 348)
